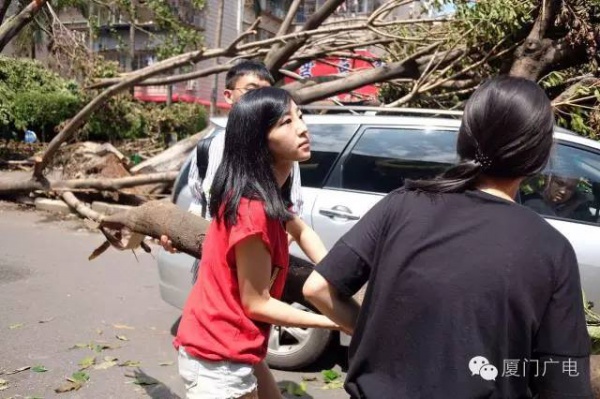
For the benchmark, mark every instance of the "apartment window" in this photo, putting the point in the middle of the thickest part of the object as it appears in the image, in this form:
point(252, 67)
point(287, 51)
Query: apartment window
point(277, 8)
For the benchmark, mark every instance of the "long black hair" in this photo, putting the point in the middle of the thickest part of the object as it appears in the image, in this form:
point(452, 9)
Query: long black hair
point(506, 132)
point(246, 168)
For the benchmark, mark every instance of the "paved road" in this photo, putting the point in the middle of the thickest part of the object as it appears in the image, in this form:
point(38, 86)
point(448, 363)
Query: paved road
point(53, 299)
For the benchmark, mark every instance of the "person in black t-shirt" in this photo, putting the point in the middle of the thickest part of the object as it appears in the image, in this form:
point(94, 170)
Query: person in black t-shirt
point(469, 295)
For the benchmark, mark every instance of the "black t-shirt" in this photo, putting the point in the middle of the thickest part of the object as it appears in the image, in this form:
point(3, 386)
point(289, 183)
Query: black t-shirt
point(461, 285)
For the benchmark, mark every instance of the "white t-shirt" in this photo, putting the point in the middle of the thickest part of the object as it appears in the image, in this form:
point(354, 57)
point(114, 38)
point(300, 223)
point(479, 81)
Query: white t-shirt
point(215, 155)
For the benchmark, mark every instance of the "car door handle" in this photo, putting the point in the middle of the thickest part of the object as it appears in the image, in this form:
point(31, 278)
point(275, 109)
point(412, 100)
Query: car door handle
point(339, 211)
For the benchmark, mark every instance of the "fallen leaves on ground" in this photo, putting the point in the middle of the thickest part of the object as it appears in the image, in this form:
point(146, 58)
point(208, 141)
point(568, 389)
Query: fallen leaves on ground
point(332, 379)
point(3, 384)
point(46, 320)
point(165, 364)
point(87, 362)
point(130, 363)
point(15, 326)
point(39, 369)
point(122, 338)
point(74, 382)
point(291, 388)
point(108, 362)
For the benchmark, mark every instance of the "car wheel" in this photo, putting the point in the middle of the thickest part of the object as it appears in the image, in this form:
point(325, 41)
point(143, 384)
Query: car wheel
point(291, 348)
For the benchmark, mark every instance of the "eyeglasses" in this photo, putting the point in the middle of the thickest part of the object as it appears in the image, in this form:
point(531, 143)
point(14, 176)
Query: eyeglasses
point(245, 89)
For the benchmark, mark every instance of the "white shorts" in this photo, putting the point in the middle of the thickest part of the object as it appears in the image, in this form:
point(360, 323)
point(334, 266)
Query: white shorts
point(205, 379)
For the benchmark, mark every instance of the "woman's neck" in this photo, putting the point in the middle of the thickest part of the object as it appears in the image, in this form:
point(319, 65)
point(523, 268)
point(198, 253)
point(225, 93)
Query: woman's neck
point(282, 171)
point(503, 188)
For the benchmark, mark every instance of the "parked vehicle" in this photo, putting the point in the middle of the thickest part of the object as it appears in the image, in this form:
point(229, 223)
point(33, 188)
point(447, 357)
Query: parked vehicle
point(356, 160)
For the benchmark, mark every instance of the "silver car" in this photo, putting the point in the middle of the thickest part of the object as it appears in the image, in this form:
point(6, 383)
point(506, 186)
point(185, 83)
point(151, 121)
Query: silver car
point(358, 158)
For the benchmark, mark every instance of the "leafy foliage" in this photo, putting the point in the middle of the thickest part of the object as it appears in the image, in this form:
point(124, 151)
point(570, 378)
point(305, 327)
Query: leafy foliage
point(479, 41)
point(35, 98)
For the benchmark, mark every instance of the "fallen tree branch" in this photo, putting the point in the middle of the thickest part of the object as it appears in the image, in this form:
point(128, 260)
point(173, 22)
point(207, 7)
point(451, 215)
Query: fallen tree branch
point(12, 26)
point(102, 184)
point(156, 218)
point(187, 233)
point(80, 207)
point(359, 79)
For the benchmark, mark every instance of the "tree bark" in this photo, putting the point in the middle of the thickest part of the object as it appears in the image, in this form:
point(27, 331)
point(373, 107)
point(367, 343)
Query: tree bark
point(13, 25)
point(157, 218)
point(404, 68)
point(537, 52)
point(4, 10)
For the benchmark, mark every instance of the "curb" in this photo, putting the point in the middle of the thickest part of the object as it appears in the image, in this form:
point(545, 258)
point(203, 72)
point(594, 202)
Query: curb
point(58, 206)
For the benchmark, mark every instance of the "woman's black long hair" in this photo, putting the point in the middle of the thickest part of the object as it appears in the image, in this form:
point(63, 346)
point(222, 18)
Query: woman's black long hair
point(506, 132)
point(246, 168)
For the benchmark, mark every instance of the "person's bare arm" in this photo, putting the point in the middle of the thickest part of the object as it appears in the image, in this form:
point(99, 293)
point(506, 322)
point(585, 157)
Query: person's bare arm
point(254, 275)
point(307, 239)
point(343, 311)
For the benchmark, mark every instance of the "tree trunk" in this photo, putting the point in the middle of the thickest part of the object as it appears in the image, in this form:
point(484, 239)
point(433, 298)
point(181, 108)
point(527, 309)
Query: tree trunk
point(13, 25)
point(534, 55)
point(172, 158)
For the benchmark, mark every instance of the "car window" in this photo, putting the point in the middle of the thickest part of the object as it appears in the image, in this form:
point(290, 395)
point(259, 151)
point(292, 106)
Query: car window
point(327, 142)
point(568, 188)
point(383, 158)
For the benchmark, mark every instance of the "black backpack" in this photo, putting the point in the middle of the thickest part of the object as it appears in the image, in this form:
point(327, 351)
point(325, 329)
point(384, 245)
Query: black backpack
point(202, 162)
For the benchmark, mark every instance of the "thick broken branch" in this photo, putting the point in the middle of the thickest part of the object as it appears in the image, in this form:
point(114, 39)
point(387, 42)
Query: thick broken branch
point(156, 218)
point(13, 25)
point(83, 184)
point(531, 57)
point(404, 68)
point(275, 61)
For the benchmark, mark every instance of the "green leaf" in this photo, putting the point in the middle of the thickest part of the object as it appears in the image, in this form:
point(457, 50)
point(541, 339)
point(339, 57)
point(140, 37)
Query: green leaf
point(87, 362)
point(80, 376)
point(334, 385)
point(39, 369)
point(15, 326)
point(330, 375)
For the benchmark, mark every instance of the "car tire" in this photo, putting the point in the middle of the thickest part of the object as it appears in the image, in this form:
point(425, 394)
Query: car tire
point(292, 348)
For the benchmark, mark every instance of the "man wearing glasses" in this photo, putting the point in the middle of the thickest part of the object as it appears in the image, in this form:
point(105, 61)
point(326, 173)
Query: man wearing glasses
point(245, 76)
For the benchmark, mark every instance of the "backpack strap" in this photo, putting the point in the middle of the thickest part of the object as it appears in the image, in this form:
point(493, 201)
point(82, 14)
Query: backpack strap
point(202, 151)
